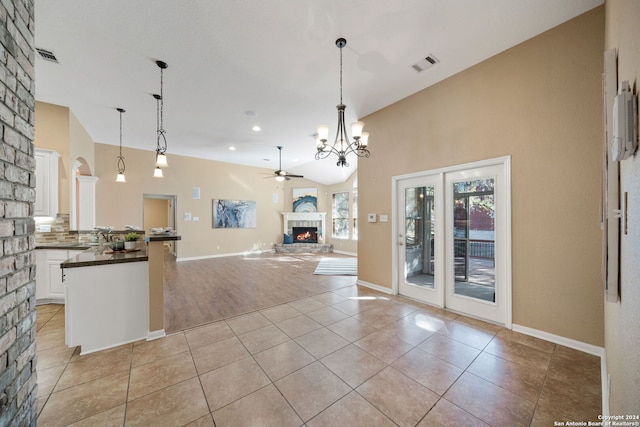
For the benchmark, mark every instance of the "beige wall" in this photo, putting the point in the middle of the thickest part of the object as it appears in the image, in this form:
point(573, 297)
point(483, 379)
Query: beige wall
point(539, 102)
point(156, 213)
point(80, 143)
point(52, 132)
point(122, 204)
point(622, 319)
point(57, 128)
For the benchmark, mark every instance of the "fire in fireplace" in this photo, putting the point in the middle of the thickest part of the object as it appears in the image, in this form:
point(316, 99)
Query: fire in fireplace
point(305, 234)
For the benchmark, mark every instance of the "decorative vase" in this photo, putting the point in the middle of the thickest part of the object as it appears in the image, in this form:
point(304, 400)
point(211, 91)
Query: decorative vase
point(130, 245)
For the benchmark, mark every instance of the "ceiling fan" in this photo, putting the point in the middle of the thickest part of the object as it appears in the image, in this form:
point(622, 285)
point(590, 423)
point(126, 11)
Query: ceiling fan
point(281, 175)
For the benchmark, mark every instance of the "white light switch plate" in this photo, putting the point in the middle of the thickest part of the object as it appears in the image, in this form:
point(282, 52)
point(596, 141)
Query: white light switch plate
point(371, 217)
point(384, 218)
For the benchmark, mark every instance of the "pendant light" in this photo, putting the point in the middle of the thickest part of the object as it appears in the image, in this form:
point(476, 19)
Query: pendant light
point(120, 177)
point(161, 139)
point(341, 146)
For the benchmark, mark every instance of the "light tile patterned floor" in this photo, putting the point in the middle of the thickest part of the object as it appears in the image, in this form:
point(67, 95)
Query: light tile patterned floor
point(335, 359)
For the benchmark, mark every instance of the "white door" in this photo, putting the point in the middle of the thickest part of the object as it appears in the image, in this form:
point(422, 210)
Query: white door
point(418, 221)
point(453, 238)
point(477, 223)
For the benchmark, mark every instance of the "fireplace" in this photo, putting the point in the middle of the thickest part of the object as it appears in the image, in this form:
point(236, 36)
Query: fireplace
point(305, 234)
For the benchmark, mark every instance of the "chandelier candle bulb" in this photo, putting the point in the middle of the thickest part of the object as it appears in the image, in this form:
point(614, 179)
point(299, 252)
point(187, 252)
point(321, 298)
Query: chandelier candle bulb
point(364, 139)
point(356, 129)
point(323, 133)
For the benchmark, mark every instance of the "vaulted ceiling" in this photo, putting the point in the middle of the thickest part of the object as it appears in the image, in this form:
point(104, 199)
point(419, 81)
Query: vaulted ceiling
point(236, 64)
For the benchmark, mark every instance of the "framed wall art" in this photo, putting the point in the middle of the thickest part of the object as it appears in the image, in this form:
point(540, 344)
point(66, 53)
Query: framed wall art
point(234, 213)
point(305, 200)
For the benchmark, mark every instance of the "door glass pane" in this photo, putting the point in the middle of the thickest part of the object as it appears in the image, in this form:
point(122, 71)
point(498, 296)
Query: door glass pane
point(474, 238)
point(340, 215)
point(419, 226)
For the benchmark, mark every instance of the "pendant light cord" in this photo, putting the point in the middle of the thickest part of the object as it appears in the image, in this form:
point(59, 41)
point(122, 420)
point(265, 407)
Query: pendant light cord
point(161, 146)
point(161, 99)
point(121, 165)
point(340, 75)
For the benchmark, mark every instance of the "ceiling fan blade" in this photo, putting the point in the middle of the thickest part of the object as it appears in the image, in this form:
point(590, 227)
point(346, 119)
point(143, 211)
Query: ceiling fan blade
point(294, 176)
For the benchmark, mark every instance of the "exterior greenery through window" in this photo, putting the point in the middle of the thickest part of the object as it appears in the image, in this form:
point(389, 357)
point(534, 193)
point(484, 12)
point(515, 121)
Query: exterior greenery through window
point(340, 215)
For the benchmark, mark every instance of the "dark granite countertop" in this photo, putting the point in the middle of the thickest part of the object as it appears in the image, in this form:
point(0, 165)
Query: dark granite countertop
point(162, 237)
point(69, 246)
point(104, 255)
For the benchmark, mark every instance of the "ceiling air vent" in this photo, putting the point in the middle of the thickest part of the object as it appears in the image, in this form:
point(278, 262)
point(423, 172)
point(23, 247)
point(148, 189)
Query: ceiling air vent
point(427, 62)
point(47, 55)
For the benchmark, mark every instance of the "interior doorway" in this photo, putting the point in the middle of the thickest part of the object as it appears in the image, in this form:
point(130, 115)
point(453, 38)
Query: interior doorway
point(159, 210)
point(453, 240)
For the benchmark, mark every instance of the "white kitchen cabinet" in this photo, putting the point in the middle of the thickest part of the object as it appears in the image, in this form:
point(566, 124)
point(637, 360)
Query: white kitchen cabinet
point(106, 305)
point(49, 284)
point(46, 203)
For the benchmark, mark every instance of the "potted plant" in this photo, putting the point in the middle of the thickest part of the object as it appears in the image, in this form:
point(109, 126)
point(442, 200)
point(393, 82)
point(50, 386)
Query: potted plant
point(130, 240)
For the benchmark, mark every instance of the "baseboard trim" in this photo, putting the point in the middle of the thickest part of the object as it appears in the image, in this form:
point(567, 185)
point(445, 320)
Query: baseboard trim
point(197, 258)
point(344, 252)
point(95, 350)
point(154, 335)
point(42, 301)
point(374, 287)
point(557, 339)
point(604, 380)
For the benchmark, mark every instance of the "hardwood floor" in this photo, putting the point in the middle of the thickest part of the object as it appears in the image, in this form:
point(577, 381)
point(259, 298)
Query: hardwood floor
point(204, 291)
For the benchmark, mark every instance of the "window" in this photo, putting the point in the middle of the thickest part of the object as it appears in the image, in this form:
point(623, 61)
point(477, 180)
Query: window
point(340, 215)
point(355, 214)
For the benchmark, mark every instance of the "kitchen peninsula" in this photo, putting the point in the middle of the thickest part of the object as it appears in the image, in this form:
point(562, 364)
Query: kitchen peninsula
point(112, 298)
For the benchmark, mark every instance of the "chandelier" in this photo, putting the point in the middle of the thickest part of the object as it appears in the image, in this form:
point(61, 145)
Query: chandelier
point(342, 146)
point(121, 166)
point(161, 141)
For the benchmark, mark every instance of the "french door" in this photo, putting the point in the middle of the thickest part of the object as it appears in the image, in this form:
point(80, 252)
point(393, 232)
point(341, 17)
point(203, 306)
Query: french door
point(452, 245)
point(419, 220)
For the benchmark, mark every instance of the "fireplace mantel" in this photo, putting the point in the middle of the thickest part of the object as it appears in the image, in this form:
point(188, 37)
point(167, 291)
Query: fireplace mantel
point(315, 217)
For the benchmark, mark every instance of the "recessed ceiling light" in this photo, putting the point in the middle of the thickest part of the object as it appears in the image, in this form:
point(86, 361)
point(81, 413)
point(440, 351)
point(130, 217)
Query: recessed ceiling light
point(256, 128)
point(232, 148)
point(250, 113)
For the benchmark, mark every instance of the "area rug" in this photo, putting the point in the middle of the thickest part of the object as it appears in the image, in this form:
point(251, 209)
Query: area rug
point(337, 267)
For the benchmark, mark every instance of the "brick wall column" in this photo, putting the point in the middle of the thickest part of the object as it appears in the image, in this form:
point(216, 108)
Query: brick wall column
point(17, 195)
